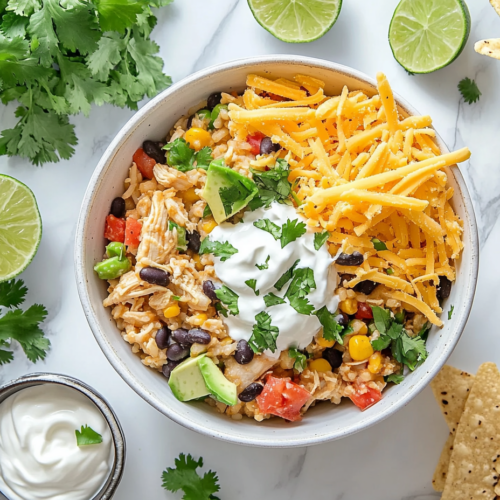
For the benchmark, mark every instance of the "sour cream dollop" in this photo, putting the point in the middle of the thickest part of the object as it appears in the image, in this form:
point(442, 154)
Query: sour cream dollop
point(254, 246)
point(39, 457)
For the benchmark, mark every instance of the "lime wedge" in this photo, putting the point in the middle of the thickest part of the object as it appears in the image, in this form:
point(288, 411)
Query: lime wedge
point(426, 35)
point(20, 227)
point(296, 21)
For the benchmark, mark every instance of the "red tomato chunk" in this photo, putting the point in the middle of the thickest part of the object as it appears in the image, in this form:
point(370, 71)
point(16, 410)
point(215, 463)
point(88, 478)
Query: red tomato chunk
point(144, 163)
point(283, 398)
point(364, 311)
point(114, 229)
point(369, 398)
point(132, 233)
point(254, 141)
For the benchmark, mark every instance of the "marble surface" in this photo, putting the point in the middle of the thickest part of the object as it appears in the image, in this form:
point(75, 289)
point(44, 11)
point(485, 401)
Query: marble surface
point(391, 461)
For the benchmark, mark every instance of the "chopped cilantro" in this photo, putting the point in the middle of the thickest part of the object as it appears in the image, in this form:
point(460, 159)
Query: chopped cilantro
point(181, 235)
point(302, 283)
point(181, 157)
point(207, 212)
point(223, 250)
point(87, 436)
point(264, 266)
point(176, 297)
point(394, 378)
point(291, 230)
point(228, 298)
point(273, 300)
point(221, 309)
point(469, 90)
point(252, 284)
point(266, 225)
point(238, 191)
point(272, 184)
point(400, 316)
point(320, 239)
point(378, 245)
point(264, 334)
point(286, 276)
point(450, 312)
point(300, 359)
point(184, 477)
point(331, 329)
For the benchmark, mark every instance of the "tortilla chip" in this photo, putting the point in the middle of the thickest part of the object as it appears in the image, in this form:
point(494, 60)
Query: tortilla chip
point(451, 388)
point(472, 473)
point(496, 5)
point(489, 47)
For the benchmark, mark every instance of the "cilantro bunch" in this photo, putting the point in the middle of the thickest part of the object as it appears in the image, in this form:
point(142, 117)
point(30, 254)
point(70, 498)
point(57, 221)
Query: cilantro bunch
point(58, 57)
point(20, 325)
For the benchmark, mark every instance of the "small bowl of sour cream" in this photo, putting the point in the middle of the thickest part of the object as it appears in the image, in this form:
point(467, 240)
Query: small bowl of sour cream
point(59, 440)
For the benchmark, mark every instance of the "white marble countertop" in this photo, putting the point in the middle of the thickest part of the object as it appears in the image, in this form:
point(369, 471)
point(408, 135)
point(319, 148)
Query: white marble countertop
point(391, 461)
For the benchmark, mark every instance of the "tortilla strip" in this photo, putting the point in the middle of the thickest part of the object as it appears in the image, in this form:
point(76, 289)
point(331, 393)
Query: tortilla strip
point(489, 47)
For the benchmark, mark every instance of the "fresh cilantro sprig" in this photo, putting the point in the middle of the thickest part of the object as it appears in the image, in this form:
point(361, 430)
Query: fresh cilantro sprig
point(287, 233)
point(320, 239)
point(469, 90)
point(224, 250)
point(19, 325)
point(59, 58)
point(264, 334)
point(272, 184)
point(300, 358)
point(286, 276)
point(331, 329)
point(181, 157)
point(273, 300)
point(253, 285)
point(87, 436)
point(270, 227)
point(301, 285)
point(185, 477)
point(228, 298)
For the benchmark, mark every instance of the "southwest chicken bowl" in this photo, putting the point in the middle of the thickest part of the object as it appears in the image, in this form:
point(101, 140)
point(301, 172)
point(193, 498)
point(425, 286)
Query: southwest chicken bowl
point(277, 251)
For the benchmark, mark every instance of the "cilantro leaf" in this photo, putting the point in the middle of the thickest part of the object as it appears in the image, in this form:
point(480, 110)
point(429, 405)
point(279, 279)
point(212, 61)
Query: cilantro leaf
point(450, 312)
point(469, 90)
point(87, 436)
point(252, 284)
point(264, 266)
point(223, 250)
point(264, 334)
point(203, 158)
point(207, 211)
point(378, 245)
point(331, 329)
point(221, 309)
point(184, 477)
point(181, 157)
point(410, 351)
point(12, 293)
point(273, 300)
point(300, 359)
point(382, 319)
point(291, 230)
point(117, 15)
point(6, 357)
point(286, 276)
point(230, 195)
point(320, 239)
point(13, 25)
point(266, 225)
point(228, 298)
point(302, 305)
point(272, 184)
point(302, 283)
point(383, 342)
point(394, 378)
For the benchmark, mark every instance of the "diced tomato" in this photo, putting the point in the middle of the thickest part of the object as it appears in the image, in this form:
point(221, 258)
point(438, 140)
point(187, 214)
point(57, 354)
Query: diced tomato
point(132, 233)
point(144, 163)
point(254, 141)
point(369, 398)
point(114, 229)
point(364, 311)
point(283, 398)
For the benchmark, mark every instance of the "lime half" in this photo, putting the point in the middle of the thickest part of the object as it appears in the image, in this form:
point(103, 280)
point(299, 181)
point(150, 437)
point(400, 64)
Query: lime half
point(426, 35)
point(296, 21)
point(20, 227)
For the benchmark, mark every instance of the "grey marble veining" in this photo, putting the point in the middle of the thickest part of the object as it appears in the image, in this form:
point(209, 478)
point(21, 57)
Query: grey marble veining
point(391, 461)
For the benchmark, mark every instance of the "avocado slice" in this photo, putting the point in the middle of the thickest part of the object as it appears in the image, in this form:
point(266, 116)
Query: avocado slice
point(221, 388)
point(227, 191)
point(186, 380)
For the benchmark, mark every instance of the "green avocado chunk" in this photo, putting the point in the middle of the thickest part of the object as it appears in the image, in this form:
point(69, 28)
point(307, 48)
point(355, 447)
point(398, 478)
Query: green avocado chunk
point(227, 191)
point(221, 388)
point(186, 380)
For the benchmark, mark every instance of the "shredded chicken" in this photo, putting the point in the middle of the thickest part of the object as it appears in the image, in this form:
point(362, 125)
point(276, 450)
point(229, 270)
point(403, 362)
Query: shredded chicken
point(171, 178)
point(130, 287)
point(244, 375)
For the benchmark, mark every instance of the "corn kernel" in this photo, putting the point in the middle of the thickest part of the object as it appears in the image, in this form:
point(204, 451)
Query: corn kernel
point(226, 341)
point(209, 225)
point(197, 138)
point(172, 311)
point(190, 196)
point(199, 319)
point(349, 306)
point(360, 347)
point(321, 341)
point(359, 327)
point(320, 365)
point(375, 362)
point(197, 262)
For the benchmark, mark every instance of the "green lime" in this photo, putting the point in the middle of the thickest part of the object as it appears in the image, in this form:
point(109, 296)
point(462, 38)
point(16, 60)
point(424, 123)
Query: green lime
point(426, 35)
point(20, 227)
point(296, 21)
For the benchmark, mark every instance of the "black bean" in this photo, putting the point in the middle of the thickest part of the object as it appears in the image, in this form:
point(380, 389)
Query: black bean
point(267, 146)
point(342, 319)
point(244, 353)
point(155, 276)
point(162, 337)
point(333, 357)
point(199, 336)
point(168, 367)
point(209, 290)
point(354, 259)
point(251, 392)
point(118, 208)
point(181, 336)
point(213, 100)
point(194, 241)
point(177, 352)
point(366, 287)
point(443, 290)
point(189, 122)
point(154, 150)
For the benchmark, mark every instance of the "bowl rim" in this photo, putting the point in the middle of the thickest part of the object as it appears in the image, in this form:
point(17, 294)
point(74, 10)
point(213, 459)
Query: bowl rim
point(108, 489)
point(82, 277)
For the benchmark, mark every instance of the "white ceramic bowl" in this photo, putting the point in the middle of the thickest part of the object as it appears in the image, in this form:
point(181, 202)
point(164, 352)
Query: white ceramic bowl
point(325, 421)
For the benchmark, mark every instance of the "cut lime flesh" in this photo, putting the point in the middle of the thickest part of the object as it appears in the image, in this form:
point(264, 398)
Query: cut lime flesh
point(426, 35)
point(296, 21)
point(20, 227)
